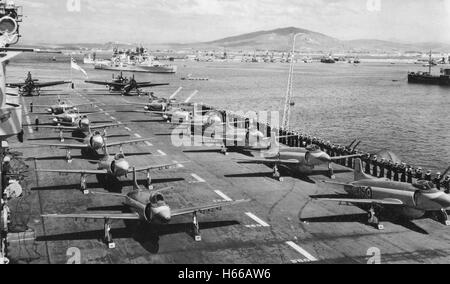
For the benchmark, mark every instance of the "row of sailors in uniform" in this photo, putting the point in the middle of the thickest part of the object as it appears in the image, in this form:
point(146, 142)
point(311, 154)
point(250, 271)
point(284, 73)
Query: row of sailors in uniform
point(378, 168)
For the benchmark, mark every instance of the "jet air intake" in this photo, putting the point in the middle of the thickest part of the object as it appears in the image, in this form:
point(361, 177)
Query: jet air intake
point(8, 25)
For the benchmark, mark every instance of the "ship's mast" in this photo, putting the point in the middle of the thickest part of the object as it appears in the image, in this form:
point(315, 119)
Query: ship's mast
point(429, 64)
point(287, 105)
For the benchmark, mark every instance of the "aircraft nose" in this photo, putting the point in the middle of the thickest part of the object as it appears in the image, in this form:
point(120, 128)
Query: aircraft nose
point(97, 142)
point(319, 158)
point(163, 214)
point(444, 201)
point(85, 123)
point(50, 110)
point(122, 168)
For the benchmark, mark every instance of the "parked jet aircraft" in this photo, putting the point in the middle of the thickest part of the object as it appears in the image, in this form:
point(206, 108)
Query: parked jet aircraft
point(302, 160)
point(158, 104)
point(147, 207)
point(94, 141)
point(73, 121)
point(116, 167)
point(126, 87)
point(32, 86)
point(408, 200)
point(59, 108)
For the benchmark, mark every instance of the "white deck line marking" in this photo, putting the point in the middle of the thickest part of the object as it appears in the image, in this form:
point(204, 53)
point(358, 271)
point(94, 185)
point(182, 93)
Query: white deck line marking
point(148, 144)
point(30, 129)
point(137, 135)
point(178, 164)
point(113, 118)
point(107, 114)
point(223, 195)
point(162, 153)
point(22, 240)
point(257, 220)
point(199, 179)
point(127, 128)
point(301, 251)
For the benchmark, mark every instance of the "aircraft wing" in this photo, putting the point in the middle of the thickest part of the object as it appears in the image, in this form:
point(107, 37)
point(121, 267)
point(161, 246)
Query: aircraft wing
point(15, 85)
point(269, 162)
point(100, 126)
point(345, 157)
point(366, 201)
point(156, 167)
point(63, 146)
point(149, 84)
point(102, 83)
point(81, 172)
point(50, 84)
point(129, 142)
point(111, 216)
point(69, 128)
point(206, 208)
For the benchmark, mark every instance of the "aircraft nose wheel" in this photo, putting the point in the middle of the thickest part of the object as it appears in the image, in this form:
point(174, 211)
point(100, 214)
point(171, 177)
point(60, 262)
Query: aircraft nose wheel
point(108, 237)
point(83, 185)
point(374, 220)
point(331, 171)
point(149, 181)
point(196, 228)
point(276, 174)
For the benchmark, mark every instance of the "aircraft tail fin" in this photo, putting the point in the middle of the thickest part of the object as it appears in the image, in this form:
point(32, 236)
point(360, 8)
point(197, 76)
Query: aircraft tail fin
point(359, 171)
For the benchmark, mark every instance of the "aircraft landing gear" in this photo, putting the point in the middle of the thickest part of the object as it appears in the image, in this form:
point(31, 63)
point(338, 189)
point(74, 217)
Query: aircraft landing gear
point(196, 228)
point(331, 171)
point(68, 156)
point(108, 237)
point(83, 185)
point(224, 150)
point(149, 181)
point(444, 217)
point(61, 136)
point(276, 174)
point(374, 220)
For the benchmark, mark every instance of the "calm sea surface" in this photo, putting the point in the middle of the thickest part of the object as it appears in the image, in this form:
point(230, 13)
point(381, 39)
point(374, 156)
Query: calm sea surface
point(339, 102)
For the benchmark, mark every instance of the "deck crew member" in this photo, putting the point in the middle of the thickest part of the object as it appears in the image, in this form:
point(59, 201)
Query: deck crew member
point(382, 168)
point(446, 184)
point(389, 169)
point(403, 172)
point(375, 166)
point(366, 159)
point(428, 176)
point(437, 180)
point(396, 170)
point(410, 174)
point(419, 174)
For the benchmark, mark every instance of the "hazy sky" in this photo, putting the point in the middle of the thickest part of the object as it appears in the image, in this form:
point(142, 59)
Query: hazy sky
point(157, 21)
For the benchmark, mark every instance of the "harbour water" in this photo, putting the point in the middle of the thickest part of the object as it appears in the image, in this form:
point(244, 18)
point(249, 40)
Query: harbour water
point(338, 102)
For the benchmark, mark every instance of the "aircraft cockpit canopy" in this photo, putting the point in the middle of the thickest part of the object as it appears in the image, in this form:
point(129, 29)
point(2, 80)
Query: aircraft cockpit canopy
point(157, 199)
point(313, 148)
point(424, 185)
point(119, 157)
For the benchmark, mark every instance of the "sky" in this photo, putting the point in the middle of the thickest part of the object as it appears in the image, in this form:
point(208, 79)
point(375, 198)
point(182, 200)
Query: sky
point(186, 21)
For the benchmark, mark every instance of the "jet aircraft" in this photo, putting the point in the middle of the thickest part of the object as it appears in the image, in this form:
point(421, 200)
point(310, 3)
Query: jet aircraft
point(412, 201)
point(113, 166)
point(148, 207)
point(301, 160)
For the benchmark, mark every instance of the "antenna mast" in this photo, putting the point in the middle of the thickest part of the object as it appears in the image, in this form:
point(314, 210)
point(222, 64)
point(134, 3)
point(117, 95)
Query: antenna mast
point(290, 86)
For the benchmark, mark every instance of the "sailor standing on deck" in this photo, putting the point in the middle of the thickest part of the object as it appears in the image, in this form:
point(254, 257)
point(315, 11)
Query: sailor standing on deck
point(437, 180)
point(410, 174)
point(375, 166)
point(389, 168)
point(396, 171)
point(428, 176)
point(403, 170)
point(419, 174)
point(382, 167)
point(446, 184)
